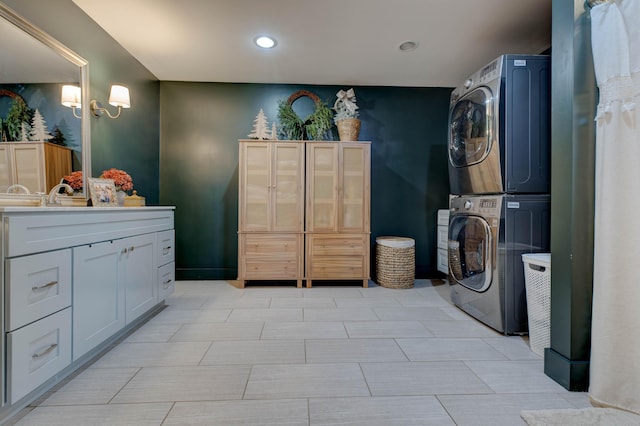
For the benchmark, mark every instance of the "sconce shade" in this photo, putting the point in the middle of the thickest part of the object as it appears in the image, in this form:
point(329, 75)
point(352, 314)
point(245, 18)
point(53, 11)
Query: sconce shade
point(119, 96)
point(71, 96)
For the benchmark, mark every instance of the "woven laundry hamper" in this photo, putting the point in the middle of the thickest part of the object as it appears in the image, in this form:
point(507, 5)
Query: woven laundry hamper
point(395, 262)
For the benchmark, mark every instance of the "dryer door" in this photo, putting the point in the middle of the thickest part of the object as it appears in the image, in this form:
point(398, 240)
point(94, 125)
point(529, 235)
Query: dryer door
point(471, 127)
point(471, 252)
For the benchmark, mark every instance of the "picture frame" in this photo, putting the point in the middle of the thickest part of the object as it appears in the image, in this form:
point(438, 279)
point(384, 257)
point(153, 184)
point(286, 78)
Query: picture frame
point(103, 192)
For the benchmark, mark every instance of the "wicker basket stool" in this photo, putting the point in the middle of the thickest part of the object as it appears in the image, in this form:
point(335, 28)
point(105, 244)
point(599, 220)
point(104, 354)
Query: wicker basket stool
point(395, 262)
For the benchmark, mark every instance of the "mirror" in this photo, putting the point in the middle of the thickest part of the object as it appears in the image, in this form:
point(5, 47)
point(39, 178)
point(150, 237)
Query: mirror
point(41, 141)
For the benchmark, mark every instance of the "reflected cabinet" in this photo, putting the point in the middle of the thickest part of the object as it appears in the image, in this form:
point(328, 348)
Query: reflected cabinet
point(303, 211)
point(39, 166)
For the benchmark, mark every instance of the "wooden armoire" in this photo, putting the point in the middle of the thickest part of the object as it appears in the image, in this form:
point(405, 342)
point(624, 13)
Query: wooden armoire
point(304, 211)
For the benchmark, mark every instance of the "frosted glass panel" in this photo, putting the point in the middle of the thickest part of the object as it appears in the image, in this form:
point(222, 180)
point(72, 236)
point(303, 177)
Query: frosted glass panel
point(324, 187)
point(257, 187)
point(287, 184)
point(353, 189)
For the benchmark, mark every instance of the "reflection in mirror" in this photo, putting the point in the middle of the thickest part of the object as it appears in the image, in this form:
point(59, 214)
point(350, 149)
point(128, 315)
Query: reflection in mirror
point(41, 140)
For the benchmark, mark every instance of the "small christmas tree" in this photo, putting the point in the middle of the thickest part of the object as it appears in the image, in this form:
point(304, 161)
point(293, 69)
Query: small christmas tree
point(24, 132)
point(39, 130)
point(260, 127)
point(274, 132)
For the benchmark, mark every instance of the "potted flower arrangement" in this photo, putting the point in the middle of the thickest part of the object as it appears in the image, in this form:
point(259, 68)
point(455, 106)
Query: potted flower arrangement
point(121, 179)
point(74, 180)
point(346, 117)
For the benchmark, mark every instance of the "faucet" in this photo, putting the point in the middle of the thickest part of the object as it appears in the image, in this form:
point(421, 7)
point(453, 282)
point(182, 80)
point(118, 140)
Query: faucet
point(16, 188)
point(53, 194)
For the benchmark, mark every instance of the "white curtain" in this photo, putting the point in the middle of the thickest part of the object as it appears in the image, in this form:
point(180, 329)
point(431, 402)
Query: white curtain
point(615, 337)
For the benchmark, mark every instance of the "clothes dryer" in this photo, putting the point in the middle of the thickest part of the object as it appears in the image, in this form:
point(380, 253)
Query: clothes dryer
point(499, 128)
point(487, 236)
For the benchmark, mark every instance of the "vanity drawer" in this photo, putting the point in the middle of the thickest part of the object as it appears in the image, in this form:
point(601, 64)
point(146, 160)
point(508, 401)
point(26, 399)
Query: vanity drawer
point(165, 247)
point(166, 280)
point(37, 286)
point(37, 352)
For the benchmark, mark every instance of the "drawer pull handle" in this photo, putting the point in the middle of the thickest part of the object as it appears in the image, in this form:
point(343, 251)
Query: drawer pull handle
point(45, 352)
point(167, 283)
point(127, 250)
point(166, 250)
point(47, 285)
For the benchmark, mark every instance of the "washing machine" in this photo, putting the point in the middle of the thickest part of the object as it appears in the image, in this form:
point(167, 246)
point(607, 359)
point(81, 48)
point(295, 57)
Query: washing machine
point(500, 128)
point(487, 236)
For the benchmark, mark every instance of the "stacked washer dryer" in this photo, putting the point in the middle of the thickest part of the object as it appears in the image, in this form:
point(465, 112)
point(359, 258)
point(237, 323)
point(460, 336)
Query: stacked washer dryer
point(499, 173)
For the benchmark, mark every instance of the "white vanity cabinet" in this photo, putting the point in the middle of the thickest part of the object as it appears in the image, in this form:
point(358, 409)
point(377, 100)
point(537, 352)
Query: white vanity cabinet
point(75, 279)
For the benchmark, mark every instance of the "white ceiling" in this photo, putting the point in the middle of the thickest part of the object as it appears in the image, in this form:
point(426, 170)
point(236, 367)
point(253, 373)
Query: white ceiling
point(338, 42)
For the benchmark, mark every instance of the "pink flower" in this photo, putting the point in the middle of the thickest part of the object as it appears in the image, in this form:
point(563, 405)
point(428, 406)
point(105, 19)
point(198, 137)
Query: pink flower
point(121, 179)
point(74, 180)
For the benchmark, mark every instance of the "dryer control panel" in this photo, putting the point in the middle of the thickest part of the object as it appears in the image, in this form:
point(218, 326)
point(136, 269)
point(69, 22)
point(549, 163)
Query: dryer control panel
point(482, 77)
point(487, 206)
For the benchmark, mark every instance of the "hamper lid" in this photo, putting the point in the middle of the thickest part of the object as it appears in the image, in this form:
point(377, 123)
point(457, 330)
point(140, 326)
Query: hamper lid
point(395, 242)
point(540, 259)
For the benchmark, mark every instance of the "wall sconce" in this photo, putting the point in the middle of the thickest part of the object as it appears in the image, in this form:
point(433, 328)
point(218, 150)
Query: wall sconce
point(119, 97)
point(71, 97)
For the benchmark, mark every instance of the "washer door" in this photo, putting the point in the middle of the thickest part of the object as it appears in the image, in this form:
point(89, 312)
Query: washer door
point(470, 252)
point(470, 128)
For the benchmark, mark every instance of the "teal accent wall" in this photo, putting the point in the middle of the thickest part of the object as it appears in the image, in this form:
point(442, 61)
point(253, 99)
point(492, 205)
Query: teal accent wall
point(130, 142)
point(200, 126)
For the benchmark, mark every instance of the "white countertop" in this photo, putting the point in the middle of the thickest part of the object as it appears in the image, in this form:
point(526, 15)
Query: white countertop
point(48, 209)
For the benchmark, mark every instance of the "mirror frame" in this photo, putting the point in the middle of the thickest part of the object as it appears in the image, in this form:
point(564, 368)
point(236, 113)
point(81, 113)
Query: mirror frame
point(85, 127)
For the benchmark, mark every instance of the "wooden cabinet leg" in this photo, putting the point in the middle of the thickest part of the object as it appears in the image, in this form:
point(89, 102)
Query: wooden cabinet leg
point(308, 283)
point(365, 283)
point(299, 283)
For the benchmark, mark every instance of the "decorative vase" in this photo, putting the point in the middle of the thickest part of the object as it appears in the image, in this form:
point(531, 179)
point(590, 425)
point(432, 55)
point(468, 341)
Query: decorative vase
point(348, 129)
point(121, 195)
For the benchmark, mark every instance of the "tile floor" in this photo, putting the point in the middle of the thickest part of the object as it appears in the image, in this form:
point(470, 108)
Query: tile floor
point(263, 355)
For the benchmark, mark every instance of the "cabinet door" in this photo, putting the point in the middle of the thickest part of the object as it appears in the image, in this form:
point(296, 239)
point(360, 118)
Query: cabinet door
point(98, 295)
point(322, 187)
point(28, 166)
point(141, 289)
point(271, 189)
point(287, 188)
point(354, 188)
point(254, 187)
point(6, 175)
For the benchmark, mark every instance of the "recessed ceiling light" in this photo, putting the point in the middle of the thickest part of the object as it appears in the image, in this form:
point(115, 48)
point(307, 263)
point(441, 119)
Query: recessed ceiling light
point(265, 42)
point(408, 46)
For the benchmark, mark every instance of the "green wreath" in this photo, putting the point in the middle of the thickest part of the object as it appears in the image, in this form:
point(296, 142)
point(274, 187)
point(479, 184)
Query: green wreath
point(315, 127)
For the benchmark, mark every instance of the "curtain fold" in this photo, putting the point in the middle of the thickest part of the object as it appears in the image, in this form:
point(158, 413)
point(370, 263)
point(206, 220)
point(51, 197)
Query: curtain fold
point(615, 330)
